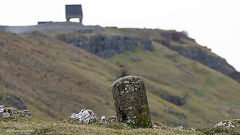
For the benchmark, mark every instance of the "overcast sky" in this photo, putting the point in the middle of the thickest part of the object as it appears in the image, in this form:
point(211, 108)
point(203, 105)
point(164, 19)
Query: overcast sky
point(213, 23)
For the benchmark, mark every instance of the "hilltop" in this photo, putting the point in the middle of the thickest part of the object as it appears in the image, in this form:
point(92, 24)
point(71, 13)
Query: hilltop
point(59, 68)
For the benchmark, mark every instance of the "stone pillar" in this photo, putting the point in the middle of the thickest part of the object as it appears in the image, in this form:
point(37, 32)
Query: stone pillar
point(130, 101)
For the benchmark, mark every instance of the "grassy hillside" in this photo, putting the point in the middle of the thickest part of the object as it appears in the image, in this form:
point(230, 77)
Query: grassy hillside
point(55, 79)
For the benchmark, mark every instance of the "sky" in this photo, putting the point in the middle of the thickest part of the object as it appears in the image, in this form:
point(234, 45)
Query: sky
point(212, 23)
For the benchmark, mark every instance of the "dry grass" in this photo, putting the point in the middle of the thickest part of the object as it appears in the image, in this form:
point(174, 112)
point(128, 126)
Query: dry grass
point(44, 127)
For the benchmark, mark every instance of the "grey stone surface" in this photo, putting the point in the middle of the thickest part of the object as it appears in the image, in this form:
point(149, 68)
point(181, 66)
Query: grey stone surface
point(130, 101)
point(14, 101)
point(108, 45)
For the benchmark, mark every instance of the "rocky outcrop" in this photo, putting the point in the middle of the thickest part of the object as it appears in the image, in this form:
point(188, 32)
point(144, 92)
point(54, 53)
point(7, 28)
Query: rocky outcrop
point(175, 113)
point(213, 61)
point(14, 101)
point(198, 53)
point(108, 45)
point(175, 36)
point(180, 101)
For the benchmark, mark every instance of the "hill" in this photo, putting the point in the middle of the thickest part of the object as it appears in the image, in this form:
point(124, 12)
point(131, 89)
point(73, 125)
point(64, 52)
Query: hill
point(58, 72)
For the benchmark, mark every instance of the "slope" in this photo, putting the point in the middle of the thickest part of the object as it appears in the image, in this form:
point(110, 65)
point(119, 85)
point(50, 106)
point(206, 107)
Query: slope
point(55, 79)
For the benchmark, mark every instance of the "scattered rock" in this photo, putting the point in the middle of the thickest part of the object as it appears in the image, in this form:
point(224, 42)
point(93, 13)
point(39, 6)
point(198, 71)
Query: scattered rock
point(85, 116)
point(103, 119)
point(130, 101)
point(193, 129)
point(159, 125)
point(227, 124)
point(6, 115)
point(154, 126)
point(24, 113)
point(179, 127)
point(11, 112)
point(110, 119)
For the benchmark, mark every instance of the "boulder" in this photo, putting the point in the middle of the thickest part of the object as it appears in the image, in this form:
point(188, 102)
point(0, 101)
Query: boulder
point(85, 116)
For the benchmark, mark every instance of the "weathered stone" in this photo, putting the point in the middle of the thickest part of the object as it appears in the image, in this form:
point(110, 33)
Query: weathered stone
point(2, 108)
point(130, 101)
point(6, 115)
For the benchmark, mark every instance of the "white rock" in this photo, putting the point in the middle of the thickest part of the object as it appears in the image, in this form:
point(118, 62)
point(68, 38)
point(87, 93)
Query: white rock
point(2, 110)
point(103, 119)
point(6, 115)
point(75, 116)
point(180, 127)
point(85, 116)
point(157, 127)
point(193, 129)
point(220, 124)
point(2, 106)
point(228, 124)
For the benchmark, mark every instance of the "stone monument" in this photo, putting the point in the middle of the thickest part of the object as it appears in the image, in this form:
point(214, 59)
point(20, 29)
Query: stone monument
point(130, 101)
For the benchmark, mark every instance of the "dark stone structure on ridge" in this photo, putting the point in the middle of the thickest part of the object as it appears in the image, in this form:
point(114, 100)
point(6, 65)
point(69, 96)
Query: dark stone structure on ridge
point(74, 11)
point(130, 101)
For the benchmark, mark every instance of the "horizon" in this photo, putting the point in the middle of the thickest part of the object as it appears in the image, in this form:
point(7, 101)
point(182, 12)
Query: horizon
point(214, 24)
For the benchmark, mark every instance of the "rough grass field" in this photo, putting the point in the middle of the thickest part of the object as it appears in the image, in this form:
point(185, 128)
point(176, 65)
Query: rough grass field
point(46, 127)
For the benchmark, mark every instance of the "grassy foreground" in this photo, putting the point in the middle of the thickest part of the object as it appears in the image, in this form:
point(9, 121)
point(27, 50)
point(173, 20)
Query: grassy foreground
point(34, 126)
point(45, 127)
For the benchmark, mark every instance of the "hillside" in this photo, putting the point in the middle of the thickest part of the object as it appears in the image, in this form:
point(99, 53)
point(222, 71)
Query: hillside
point(54, 79)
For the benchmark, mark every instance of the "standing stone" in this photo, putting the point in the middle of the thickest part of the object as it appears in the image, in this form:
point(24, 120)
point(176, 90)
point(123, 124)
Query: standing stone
point(130, 101)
